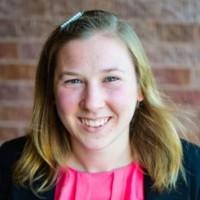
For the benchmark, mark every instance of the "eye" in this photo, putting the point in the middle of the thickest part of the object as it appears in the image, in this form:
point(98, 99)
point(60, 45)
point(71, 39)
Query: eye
point(111, 79)
point(73, 81)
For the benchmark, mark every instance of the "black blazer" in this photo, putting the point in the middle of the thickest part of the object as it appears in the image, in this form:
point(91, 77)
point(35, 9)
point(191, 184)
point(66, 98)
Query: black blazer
point(10, 153)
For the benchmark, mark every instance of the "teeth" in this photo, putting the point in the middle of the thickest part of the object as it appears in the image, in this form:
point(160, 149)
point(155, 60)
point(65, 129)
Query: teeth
point(94, 123)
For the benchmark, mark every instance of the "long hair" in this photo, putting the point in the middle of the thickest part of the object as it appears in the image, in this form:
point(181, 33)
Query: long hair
point(153, 129)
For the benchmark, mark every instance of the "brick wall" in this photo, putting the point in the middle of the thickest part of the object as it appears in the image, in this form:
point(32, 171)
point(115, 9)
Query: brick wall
point(170, 32)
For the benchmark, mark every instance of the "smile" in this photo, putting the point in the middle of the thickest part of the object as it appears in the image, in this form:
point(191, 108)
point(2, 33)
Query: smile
point(94, 123)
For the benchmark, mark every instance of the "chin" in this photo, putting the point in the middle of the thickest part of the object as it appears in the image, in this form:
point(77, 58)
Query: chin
point(96, 146)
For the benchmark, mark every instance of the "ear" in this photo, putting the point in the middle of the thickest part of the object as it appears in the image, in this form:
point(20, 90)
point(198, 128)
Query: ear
point(140, 95)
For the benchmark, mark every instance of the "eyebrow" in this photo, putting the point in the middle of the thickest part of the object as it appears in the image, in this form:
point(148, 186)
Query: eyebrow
point(112, 70)
point(71, 73)
point(68, 73)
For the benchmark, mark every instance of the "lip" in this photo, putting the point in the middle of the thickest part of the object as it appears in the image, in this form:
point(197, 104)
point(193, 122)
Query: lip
point(86, 123)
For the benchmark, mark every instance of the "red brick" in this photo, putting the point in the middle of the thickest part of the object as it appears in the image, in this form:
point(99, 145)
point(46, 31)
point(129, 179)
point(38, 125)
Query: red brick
point(194, 8)
point(173, 76)
point(173, 54)
point(177, 10)
point(30, 50)
point(15, 92)
point(36, 7)
point(15, 9)
point(9, 9)
point(34, 28)
point(7, 28)
point(196, 77)
point(186, 97)
point(197, 32)
point(65, 8)
point(10, 133)
point(8, 50)
point(88, 5)
point(145, 29)
point(139, 9)
point(174, 32)
point(17, 71)
point(15, 113)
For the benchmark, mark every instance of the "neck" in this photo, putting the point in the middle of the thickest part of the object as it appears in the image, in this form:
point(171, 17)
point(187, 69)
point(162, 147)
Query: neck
point(113, 156)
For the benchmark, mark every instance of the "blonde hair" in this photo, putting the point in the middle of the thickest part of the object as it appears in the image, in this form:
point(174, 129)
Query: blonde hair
point(153, 129)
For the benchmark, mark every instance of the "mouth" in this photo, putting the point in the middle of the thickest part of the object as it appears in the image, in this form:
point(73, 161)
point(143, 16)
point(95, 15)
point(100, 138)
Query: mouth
point(94, 123)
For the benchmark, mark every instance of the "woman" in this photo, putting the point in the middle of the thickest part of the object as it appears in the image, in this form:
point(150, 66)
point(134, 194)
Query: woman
point(100, 129)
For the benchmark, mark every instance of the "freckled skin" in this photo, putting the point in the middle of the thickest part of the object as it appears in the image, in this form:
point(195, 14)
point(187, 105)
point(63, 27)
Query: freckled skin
point(93, 95)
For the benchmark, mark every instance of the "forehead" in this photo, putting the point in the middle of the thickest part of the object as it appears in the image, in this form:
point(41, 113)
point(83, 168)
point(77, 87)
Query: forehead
point(101, 49)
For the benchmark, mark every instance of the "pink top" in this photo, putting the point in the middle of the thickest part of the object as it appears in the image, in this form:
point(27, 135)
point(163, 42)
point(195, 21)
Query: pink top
point(125, 183)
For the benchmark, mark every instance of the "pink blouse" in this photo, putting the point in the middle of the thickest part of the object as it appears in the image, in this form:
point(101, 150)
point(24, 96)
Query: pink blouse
point(125, 183)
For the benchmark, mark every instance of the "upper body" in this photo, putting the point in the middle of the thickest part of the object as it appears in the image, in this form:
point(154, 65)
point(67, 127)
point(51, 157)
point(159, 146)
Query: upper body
point(97, 108)
point(11, 151)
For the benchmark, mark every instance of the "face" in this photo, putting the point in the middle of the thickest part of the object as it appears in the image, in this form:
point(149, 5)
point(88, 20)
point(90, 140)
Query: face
point(96, 91)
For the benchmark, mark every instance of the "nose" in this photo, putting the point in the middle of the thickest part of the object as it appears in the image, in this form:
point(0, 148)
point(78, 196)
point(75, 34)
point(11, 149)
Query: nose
point(93, 97)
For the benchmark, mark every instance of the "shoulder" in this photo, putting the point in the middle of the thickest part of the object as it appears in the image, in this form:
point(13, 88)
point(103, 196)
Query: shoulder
point(191, 160)
point(186, 189)
point(14, 143)
point(191, 155)
point(191, 164)
point(11, 150)
point(9, 153)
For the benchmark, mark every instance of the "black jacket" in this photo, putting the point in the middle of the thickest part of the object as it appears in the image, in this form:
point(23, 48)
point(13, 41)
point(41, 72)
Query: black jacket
point(11, 151)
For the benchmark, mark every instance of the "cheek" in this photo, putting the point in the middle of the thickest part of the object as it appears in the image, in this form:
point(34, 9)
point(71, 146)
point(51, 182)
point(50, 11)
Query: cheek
point(123, 98)
point(66, 101)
